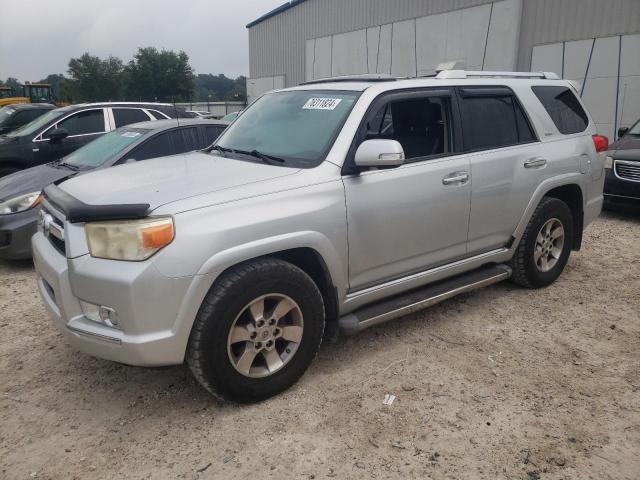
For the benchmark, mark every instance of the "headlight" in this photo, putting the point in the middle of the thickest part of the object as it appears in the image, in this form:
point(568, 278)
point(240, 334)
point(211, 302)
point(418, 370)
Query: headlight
point(21, 203)
point(608, 162)
point(131, 240)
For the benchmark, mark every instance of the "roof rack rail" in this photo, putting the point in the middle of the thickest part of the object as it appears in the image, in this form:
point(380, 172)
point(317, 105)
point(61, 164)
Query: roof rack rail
point(366, 77)
point(458, 74)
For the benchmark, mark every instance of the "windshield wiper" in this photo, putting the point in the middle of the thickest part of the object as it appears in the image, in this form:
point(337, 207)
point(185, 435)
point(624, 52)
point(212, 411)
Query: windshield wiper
point(268, 159)
point(220, 149)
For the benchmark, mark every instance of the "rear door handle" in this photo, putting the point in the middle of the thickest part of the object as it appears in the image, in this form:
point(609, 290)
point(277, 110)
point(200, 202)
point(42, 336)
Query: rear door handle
point(535, 163)
point(456, 178)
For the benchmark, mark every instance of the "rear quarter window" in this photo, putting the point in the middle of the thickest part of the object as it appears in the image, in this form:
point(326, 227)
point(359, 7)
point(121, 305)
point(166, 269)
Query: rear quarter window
point(563, 107)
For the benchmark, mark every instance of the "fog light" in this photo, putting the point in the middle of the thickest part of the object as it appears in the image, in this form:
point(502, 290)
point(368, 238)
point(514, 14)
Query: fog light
point(100, 314)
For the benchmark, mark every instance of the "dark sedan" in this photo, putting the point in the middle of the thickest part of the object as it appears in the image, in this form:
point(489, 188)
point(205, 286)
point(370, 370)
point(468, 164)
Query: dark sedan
point(59, 132)
point(20, 192)
point(622, 164)
point(13, 117)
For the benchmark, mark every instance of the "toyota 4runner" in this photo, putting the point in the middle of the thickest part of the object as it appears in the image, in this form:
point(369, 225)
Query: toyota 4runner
point(341, 204)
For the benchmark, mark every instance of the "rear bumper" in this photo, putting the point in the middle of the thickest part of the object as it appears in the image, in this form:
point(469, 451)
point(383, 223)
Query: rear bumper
point(16, 231)
point(146, 301)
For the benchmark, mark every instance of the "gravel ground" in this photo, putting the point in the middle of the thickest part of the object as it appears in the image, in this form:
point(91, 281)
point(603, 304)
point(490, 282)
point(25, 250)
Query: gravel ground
point(500, 383)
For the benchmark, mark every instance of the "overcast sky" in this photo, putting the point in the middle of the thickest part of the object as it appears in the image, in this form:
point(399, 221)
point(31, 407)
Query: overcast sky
point(38, 37)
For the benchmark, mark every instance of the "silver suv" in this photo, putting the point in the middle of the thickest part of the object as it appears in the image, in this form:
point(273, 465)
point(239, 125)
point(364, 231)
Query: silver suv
point(338, 204)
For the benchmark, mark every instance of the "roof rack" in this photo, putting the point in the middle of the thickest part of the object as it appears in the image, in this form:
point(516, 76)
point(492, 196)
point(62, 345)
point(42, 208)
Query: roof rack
point(458, 74)
point(367, 77)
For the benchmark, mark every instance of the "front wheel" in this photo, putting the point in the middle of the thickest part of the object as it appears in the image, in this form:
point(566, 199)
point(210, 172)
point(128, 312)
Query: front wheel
point(545, 246)
point(257, 331)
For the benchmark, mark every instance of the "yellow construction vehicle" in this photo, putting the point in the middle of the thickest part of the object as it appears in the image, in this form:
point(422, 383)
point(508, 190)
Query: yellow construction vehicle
point(31, 93)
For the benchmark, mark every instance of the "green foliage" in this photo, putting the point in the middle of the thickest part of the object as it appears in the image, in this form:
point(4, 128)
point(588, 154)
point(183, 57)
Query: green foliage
point(152, 75)
point(15, 84)
point(61, 86)
point(218, 88)
point(94, 79)
point(162, 76)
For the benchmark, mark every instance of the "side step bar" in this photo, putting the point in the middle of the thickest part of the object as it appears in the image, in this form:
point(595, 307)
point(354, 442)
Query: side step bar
point(421, 298)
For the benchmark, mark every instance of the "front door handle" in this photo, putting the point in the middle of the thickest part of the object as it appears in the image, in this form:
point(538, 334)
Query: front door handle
point(456, 178)
point(537, 162)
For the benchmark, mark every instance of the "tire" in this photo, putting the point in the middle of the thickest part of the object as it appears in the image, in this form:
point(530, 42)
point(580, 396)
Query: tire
point(530, 272)
point(216, 362)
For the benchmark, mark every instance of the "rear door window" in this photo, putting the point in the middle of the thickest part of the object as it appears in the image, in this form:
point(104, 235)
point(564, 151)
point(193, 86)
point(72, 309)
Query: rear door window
point(563, 107)
point(161, 145)
point(493, 118)
point(127, 116)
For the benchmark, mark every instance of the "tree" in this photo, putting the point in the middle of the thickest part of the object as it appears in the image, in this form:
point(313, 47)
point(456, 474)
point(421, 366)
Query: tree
point(15, 84)
point(163, 76)
point(212, 88)
point(94, 79)
point(59, 85)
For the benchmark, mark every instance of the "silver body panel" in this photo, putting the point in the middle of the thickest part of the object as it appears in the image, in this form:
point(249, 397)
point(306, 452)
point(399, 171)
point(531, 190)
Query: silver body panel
point(380, 233)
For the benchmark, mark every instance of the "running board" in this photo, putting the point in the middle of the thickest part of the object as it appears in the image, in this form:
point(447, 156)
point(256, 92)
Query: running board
point(421, 298)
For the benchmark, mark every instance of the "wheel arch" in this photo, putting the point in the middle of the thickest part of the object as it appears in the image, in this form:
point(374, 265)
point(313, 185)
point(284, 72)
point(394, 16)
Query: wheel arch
point(567, 188)
point(572, 195)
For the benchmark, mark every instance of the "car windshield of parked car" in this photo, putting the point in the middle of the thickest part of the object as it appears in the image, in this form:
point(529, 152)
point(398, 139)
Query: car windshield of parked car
point(635, 130)
point(5, 114)
point(106, 147)
point(298, 127)
point(38, 123)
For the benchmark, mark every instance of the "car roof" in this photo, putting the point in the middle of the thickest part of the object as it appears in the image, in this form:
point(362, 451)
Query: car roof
point(447, 78)
point(31, 106)
point(158, 125)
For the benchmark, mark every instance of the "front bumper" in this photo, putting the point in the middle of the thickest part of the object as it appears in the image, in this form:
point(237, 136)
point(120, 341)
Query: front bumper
point(148, 305)
point(621, 192)
point(16, 231)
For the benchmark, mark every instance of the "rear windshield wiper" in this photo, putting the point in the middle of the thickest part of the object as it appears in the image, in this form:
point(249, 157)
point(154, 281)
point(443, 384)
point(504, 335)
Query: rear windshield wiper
point(269, 159)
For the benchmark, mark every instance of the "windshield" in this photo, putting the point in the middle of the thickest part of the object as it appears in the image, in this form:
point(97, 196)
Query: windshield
point(296, 126)
point(5, 114)
point(103, 148)
point(39, 122)
point(635, 130)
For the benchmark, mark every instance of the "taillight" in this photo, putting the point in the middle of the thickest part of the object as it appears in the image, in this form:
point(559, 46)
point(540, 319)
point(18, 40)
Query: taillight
point(601, 143)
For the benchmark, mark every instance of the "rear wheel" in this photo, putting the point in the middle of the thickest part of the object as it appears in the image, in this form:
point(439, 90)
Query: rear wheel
point(257, 331)
point(545, 246)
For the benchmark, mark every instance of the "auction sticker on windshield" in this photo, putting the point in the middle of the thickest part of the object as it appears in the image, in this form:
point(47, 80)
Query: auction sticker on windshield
point(322, 104)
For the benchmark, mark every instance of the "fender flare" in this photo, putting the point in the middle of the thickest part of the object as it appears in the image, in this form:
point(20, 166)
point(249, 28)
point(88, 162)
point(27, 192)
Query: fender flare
point(542, 189)
point(214, 266)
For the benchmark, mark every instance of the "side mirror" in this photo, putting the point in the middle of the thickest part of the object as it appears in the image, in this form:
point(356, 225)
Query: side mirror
point(57, 134)
point(379, 153)
point(622, 131)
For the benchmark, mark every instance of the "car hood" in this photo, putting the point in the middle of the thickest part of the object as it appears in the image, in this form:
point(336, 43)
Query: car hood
point(631, 154)
point(628, 142)
point(165, 180)
point(31, 180)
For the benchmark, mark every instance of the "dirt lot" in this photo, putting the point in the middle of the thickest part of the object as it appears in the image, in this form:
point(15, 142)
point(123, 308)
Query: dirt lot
point(500, 383)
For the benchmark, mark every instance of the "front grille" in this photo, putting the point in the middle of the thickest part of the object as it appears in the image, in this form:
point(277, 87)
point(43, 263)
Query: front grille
point(628, 170)
point(52, 226)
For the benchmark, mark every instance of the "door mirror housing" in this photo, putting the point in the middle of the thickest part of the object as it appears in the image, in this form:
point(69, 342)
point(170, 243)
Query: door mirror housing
point(379, 153)
point(622, 131)
point(58, 134)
